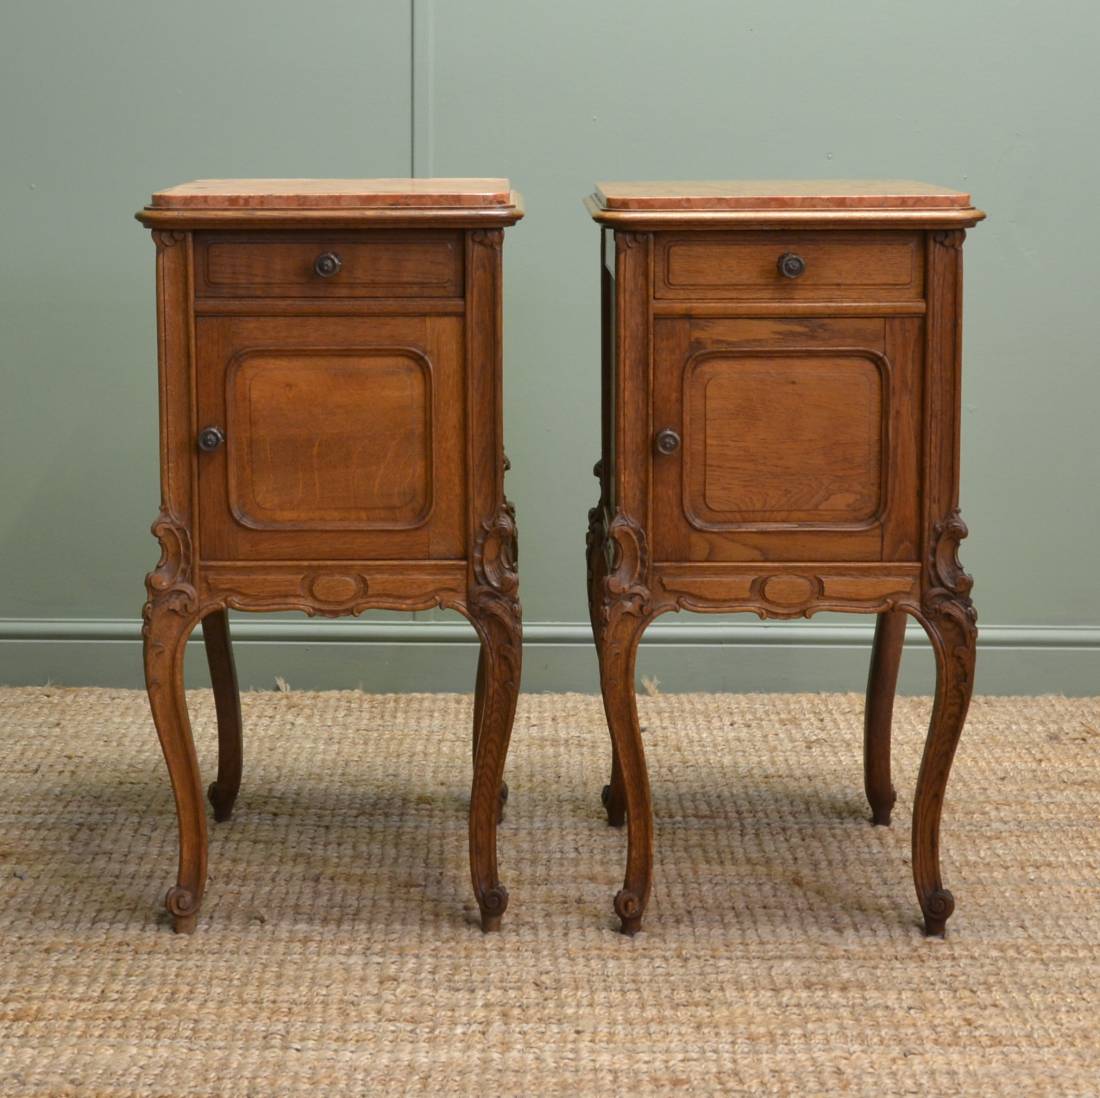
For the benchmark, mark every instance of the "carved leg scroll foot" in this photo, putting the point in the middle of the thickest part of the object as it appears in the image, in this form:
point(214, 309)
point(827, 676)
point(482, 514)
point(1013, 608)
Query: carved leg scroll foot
point(950, 620)
point(168, 623)
point(621, 636)
point(878, 715)
point(222, 793)
point(495, 612)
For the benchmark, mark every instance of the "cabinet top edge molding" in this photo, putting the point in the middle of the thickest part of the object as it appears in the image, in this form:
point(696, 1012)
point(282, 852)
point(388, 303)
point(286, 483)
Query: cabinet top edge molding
point(778, 194)
point(780, 201)
point(341, 203)
point(327, 194)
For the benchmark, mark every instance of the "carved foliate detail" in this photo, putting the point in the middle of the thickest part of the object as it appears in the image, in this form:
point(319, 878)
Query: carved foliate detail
point(595, 560)
point(949, 238)
point(951, 616)
point(627, 558)
point(948, 591)
point(594, 540)
point(169, 585)
point(495, 553)
point(624, 242)
point(167, 238)
point(625, 581)
point(488, 238)
point(493, 593)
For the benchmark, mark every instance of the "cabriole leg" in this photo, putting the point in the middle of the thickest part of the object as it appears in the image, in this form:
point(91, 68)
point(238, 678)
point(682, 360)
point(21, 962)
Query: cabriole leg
point(166, 630)
point(497, 620)
point(612, 796)
point(951, 628)
point(227, 703)
point(479, 716)
point(619, 642)
point(878, 716)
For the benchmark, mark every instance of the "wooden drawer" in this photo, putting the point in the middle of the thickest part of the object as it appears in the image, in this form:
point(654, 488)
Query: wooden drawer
point(836, 266)
point(349, 264)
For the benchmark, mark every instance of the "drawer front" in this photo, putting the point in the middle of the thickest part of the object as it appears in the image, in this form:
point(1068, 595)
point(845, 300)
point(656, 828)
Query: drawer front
point(795, 440)
point(363, 264)
point(341, 438)
point(749, 266)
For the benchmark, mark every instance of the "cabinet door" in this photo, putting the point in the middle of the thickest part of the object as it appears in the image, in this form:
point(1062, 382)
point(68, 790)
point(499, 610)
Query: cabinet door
point(343, 438)
point(798, 439)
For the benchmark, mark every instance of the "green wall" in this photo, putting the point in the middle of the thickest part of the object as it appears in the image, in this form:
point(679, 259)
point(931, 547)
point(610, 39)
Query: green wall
point(102, 103)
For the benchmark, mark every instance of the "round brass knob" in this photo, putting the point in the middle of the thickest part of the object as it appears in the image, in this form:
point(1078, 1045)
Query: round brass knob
point(667, 441)
point(791, 265)
point(327, 264)
point(210, 438)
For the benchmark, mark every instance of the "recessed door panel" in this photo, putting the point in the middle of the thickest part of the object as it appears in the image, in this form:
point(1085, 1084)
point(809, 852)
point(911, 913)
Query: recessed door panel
point(784, 437)
point(342, 437)
point(326, 440)
point(797, 439)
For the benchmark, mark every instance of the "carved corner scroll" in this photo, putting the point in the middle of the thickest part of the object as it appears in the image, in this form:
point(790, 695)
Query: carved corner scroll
point(947, 593)
point(493, 593)
point(170, 585)
point(626, 578)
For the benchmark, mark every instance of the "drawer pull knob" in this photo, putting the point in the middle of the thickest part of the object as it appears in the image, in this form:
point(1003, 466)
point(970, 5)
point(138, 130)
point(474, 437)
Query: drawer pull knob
point(667, 441)
point(791, 265)
point(210, 438)
point(327, 264)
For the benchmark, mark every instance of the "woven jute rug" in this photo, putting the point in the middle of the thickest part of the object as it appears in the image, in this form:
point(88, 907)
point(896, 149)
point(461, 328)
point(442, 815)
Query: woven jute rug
point(338, 951)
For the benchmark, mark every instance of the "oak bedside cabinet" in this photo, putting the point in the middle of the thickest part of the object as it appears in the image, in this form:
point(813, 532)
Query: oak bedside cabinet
point(781, 435)
point(330, 442)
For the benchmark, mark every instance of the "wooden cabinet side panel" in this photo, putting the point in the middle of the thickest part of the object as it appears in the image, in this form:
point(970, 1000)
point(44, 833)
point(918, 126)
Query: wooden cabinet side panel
point(175, 355)
point(484, 377)
point(943, 395)
point(632, 426)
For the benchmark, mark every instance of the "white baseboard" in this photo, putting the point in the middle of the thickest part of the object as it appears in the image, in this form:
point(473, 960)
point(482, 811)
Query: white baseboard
point(439, 655)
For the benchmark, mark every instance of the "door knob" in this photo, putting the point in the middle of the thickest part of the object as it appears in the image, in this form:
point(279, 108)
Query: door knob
point(327, 264)
point(210, 438)
point(791, 265)
point(667, 441)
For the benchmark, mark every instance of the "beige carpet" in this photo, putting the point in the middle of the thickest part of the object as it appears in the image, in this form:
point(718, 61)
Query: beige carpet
point(338, 952)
